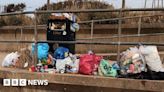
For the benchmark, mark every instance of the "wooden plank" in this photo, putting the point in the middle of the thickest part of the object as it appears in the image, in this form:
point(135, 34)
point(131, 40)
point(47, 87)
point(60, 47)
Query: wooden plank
point(84, 80)
point(63, 88)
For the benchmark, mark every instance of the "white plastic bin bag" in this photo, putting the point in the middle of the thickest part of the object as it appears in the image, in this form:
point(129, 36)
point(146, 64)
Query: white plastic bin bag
point(10, 59)
point(152, 58)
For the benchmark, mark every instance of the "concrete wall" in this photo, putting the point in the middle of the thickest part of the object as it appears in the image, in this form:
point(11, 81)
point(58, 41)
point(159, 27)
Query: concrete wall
point(83, 33)
point(63, 88)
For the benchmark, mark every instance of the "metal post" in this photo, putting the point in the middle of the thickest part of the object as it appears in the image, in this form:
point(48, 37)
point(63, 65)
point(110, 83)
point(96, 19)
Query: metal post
point(153, 4)
point(145, 3)
point(158, 3)
point(139, 26)
point(119, 36)
point(123, 4)
point(21, 37)
point(21, 27)
point(48, 4)
point(36, 40)
point(162, 3)
point(92, 25)
point(119, 30)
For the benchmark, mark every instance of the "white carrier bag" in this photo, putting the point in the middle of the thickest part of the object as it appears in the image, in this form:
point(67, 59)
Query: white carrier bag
point(152, 58)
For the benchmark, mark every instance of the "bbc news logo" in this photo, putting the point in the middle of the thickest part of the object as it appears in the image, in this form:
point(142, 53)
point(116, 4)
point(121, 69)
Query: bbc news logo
point(24, 82)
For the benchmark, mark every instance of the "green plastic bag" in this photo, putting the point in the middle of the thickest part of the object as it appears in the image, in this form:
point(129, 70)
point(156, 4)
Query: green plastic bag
point(106, 69)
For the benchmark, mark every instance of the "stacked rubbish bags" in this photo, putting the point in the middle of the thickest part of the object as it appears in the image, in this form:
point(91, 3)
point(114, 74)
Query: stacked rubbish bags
point(92, 64)
point(46, 61)
point(61, 61)
point(141, 62)
point(65, 61)
point(132, 61)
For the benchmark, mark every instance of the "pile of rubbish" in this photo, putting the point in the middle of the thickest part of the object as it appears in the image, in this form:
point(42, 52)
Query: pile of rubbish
point(74, 25)
point(132, 62)
point(141, 62)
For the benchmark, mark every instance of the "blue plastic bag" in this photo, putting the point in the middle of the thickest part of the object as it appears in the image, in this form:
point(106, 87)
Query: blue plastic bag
point(42, 50)
point(61, 53)
point(75, 27)
point(116, 66)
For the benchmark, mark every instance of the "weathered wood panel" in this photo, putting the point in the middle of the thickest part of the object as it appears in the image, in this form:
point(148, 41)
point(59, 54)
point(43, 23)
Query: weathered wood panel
point(79, 83)
point(84, 33)
point(64, 88)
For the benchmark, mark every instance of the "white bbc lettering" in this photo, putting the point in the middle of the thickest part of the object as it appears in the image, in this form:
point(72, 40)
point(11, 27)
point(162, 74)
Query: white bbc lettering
point(14, 82)
point(22, 82)
point(45, 82)
point(37, 82)
point(30, 82)
point(6, 82)
point(40, 82)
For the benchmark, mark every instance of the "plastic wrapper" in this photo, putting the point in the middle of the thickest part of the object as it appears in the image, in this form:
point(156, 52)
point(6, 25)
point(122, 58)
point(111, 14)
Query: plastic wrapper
point(10, 59)
point(152, 58)
point(132, 61)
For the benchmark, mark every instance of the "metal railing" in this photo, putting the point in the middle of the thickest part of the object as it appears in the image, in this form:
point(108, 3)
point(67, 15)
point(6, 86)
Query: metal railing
point(119, 43)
